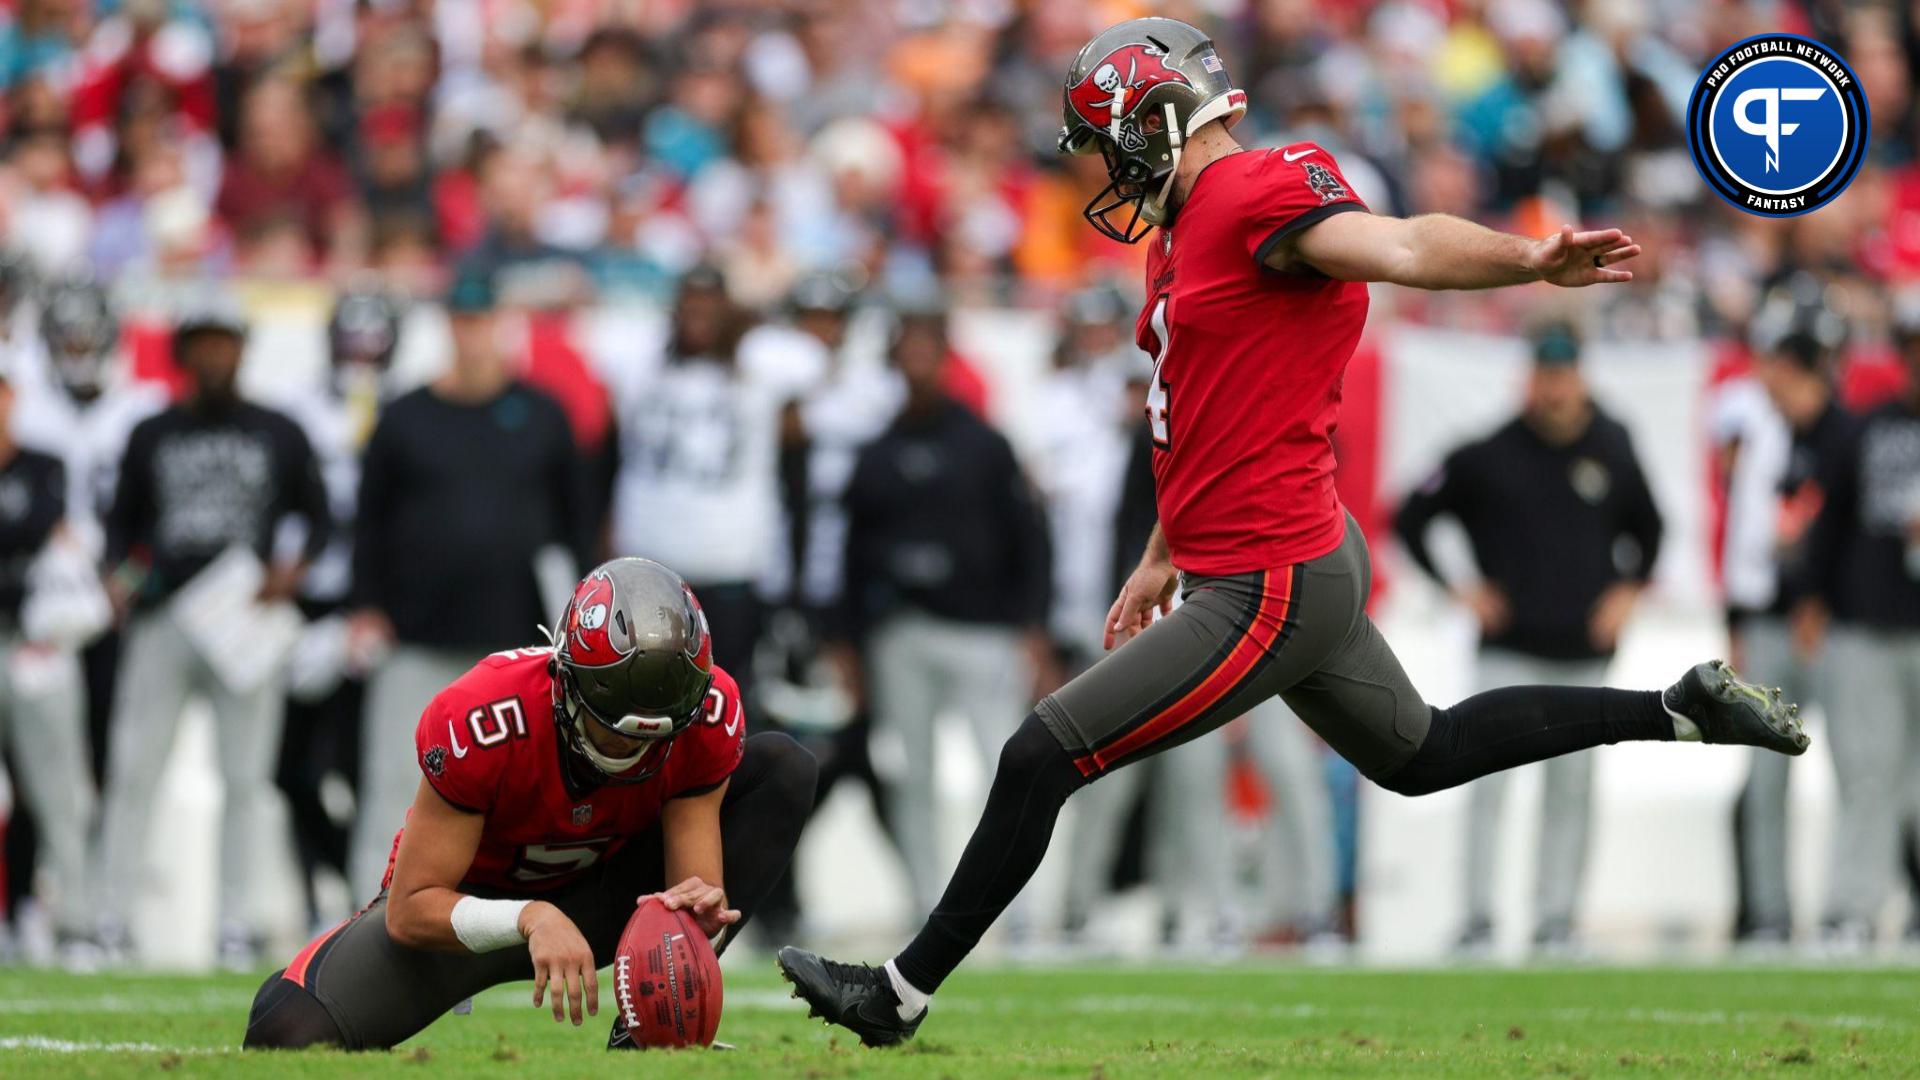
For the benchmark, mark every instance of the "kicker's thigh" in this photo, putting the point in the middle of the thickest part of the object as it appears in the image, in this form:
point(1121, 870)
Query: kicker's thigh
point(1362, 703)
point(1232, 643)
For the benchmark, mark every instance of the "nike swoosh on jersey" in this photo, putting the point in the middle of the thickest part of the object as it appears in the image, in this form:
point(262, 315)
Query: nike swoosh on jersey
point(1291, 156)
point(458, 750)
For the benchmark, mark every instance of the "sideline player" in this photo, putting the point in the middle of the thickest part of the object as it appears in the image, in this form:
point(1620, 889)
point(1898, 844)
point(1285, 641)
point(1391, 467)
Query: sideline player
point(1256, 298)
point(560, 785)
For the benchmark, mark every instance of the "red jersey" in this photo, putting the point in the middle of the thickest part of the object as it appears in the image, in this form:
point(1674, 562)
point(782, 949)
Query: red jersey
point(1247, 365)
point(488, 744)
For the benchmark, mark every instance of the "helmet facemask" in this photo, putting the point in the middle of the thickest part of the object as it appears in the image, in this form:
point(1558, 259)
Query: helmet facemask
point(1132, 184)
point(650, 736)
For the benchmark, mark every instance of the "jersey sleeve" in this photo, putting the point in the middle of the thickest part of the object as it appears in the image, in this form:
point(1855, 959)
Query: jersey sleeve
point(464, 773)
point(710, 750)
point(1293, 187)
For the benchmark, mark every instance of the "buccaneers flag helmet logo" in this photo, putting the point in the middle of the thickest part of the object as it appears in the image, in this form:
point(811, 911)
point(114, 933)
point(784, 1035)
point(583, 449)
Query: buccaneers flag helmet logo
point(597, 633)
point(1119, 81)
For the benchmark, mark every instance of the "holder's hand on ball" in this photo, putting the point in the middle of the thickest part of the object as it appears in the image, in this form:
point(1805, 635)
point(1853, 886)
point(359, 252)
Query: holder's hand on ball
point(706, 903)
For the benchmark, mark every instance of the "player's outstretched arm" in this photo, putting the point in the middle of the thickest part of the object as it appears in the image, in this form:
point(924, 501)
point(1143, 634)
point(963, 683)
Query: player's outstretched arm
point(1438, 251)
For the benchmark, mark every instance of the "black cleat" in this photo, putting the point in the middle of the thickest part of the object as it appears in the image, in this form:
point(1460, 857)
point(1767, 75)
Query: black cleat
point(855, 996)
point(1728, 709)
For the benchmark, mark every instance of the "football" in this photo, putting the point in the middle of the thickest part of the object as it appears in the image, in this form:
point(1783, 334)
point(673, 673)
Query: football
point(666, 979)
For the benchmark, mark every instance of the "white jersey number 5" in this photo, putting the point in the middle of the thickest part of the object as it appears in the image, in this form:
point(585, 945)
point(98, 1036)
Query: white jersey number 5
point(1157, 393)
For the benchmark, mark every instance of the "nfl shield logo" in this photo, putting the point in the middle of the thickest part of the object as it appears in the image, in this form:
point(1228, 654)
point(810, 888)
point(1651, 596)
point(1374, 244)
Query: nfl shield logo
point(582, 814)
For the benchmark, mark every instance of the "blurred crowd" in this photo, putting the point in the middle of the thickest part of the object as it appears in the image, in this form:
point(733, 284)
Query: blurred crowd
point(799, 196)
point(623, 140)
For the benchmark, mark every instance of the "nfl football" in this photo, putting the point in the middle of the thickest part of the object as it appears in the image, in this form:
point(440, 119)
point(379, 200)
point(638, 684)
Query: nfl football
point(666, 979)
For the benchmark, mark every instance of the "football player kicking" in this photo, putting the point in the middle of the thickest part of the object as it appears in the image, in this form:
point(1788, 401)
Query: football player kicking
point(560, 785)
point(1256, 294)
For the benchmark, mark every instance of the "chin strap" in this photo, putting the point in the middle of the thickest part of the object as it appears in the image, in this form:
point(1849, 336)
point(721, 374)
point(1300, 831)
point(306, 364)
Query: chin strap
point(1156, 208)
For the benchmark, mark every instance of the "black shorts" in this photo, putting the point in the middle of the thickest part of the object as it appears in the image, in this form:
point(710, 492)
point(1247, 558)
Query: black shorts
point(1299, 631)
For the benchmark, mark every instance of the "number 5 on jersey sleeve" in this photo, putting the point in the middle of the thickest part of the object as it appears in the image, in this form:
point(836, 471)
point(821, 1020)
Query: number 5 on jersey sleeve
point(1159, 396)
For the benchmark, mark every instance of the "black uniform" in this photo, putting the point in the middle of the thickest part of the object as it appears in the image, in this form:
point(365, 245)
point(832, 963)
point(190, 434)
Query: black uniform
point(941, 519)
point(1547, 524)
point(33, 499)
point(455, 499)
point(198, 478)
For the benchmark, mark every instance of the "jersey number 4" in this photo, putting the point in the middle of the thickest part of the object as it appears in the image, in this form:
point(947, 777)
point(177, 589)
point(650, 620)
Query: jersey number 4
point(1159, 396)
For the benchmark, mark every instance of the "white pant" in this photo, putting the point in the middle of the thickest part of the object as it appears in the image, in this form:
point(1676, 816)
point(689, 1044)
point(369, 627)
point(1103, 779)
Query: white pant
point(1190, 856)
point(41, 695)
point(1873, 731)
point(1566, 798)
point(159, 671)
point(1192, 824)
point(397, 693)
point(1767, 657)
point(921, 668)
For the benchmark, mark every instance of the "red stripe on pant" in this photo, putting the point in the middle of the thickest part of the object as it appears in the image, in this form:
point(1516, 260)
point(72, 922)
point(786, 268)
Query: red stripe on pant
point(297, 967)
point(1268, 620)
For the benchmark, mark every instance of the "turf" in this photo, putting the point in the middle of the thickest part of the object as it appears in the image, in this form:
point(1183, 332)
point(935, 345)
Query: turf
point(1086, 1022)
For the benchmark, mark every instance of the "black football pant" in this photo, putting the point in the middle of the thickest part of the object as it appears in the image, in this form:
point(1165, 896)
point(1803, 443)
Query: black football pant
point(1301, 632)
point(355, 987)
point(319, 737)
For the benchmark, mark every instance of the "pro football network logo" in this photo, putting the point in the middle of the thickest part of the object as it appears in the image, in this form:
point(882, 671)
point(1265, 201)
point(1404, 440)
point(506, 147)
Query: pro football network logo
point(1778, 125)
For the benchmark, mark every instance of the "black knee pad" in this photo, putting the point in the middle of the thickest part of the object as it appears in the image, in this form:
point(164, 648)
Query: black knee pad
point(286, 1016)
point(1420, 775)
point(1033, 755)
point(787, 768)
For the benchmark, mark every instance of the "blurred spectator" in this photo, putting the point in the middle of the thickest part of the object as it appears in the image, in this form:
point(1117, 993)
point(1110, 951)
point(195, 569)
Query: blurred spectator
point(281, 183)
point(44, 216)
point(946, 585)
point(84, 401)
point(472, 500)
point(40, 39)
point(147, 60)
point(1778, 433)
point(1547, 502)
point(42, 723)
point(208, 475)
point(81, 401)
point(1082, 411)
point(1100, 822)
point(842, 403)
point(1866, 547)
point(696, 485)
point(326, 681)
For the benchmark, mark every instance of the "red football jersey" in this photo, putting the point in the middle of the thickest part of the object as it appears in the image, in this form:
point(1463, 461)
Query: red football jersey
point(1247, 365)
point(488, 744)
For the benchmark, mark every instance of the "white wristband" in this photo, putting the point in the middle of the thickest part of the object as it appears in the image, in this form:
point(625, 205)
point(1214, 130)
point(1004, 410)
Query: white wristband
point(488, 925)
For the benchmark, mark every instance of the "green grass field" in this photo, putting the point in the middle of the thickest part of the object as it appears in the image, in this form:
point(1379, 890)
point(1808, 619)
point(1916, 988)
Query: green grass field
point(1087, 1022)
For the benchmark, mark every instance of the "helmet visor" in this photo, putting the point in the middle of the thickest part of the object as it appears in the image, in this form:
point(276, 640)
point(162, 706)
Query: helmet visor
point(620, 745)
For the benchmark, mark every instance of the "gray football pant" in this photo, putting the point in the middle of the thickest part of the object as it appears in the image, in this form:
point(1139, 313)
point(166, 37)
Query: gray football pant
point(397, 693)
point(1767, 657)
point(41, 719)
point(922, 667)
point(1566, 797)
point(159, 672)
point(1873, 727)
